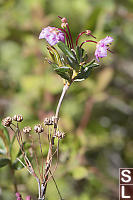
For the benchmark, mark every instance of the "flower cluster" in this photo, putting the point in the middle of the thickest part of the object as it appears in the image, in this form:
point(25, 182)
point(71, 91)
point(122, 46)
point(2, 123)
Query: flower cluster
point(102, 47)
point(54, 35)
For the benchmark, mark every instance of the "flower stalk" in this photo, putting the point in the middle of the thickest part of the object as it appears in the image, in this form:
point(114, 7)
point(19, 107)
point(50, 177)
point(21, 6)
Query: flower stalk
point(65, 88)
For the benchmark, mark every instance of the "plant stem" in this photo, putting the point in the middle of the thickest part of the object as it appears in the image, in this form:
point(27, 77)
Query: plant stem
point(56, 186)
point(49, 156)
point(65, 88)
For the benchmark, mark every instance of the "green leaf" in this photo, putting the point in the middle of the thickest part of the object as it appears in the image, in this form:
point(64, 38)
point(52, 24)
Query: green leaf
point(85, 58)
point(91, 64)
point(74, 64)
point(54, 55)
point(79, 54)
point(3, 149)
point(4, 162)
point(85, 71)
point(70, 55)
point(64, 72)
point(54, 65)
point(64, 48)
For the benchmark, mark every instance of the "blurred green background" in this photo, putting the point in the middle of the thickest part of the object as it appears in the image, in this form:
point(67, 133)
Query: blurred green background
point(96, 115)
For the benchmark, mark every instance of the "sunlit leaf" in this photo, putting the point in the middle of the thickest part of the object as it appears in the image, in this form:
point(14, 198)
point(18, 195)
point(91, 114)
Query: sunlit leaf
point(55, 55)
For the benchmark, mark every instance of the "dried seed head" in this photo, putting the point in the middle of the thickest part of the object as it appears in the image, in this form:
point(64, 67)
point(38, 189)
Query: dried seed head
point(38, 128)
point(27, 129)
point(49, 121)
point(59, 135)
point(7, 121)
point(18, 118)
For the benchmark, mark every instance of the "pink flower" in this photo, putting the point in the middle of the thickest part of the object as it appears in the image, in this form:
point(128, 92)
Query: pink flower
point(28, 198)
point(19, 198)
point(52, 35)
point(102, 47)
point(18, 194)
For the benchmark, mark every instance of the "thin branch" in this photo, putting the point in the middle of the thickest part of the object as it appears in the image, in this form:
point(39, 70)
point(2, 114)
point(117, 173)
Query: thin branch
point(56, 186)
point(36, 160)
point(55, 164)
point(41, 154)
point(24, 165)
point(28, 163)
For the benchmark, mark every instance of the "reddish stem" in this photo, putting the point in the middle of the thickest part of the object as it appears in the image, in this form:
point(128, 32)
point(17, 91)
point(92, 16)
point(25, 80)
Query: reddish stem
point(87, 32)
point(79, 36)
point(72, 46)
point(60, 17)
point(87, 41)
point(67, 36)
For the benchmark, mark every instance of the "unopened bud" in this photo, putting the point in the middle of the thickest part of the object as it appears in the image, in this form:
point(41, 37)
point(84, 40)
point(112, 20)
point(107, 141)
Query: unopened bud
point(7, 121)
point(64, 20)
point(88, 32)
point(63, 25)
point(27, 129)
point(38, 128)
point(18, 118)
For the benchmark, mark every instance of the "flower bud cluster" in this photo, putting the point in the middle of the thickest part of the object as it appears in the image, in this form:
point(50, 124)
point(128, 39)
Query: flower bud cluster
point(49, 121)
point(59, 135)
point(6, 121)
point(52, 35)
point(38, 128)
point(27, 129)
point(18, 118)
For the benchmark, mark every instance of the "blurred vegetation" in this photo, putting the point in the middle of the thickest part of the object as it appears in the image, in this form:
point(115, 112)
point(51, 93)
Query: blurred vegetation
point(96, 114)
